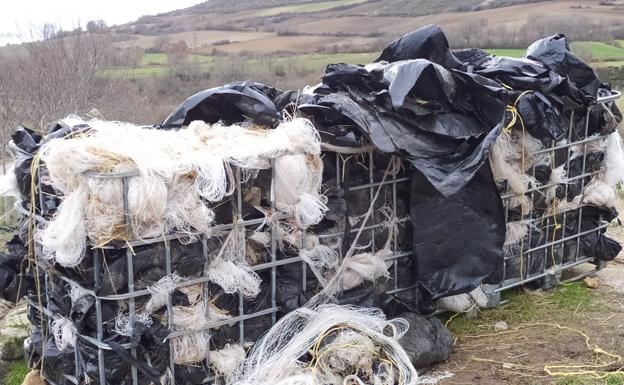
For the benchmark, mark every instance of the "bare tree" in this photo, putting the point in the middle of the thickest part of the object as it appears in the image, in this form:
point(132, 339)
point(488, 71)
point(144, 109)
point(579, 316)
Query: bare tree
point(177, 53)
point(11, 104)
point(95, 26)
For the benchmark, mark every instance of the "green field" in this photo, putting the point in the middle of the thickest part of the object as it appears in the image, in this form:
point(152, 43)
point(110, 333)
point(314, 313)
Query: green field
point(151, 59)
point(600, 52)
point(609, 64)
point(160, 59)
point(307, 8)
point(155, 64)
point(309, 62)
point(511, 52)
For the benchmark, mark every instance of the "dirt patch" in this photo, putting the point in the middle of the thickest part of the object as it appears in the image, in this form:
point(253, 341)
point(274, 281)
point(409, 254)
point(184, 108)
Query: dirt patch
point(551, 332)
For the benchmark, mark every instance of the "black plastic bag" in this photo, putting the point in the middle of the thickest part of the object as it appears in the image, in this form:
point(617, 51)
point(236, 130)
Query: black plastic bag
point(539, 116)
point(554, 52)
point(427, 340)
point(428, 42)
point(232, 103)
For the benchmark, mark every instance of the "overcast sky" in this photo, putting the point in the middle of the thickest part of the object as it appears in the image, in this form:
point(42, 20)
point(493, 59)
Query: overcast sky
point(19, 17)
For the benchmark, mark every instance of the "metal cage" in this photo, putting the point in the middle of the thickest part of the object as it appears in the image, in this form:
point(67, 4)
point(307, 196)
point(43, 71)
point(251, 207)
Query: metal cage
point(559, 249)
point(559, 252)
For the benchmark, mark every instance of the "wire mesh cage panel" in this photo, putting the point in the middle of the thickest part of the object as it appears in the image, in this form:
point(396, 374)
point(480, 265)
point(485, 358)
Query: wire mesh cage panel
point(108, 295)
point(554, 221)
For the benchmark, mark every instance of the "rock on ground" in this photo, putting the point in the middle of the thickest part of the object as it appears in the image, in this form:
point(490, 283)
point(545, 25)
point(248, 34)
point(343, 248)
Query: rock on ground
point(14, 328)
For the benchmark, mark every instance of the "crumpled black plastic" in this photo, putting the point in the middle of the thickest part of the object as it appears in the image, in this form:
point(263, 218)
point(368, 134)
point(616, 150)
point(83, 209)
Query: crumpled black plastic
point(539, 116)
point(26, 142)
point(554, 52)
point(427, 340)
point(458, 240)
point(10, 268)
point(472, 56)
point(231, 103)
point(428, 42)
point(525, 74)
point(594, 244)
point(444, 124)
point(55, 363)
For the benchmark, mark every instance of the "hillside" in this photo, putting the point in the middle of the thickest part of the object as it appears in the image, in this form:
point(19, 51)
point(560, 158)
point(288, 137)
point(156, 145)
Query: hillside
point(303, 26)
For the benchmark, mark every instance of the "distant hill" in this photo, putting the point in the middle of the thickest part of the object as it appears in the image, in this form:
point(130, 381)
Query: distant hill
point(303, 26)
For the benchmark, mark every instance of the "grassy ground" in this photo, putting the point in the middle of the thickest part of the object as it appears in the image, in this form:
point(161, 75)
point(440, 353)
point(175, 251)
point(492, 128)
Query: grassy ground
point(511, 52)
point(307, 7)
point(544, 330)
point(600, 52)
point(16, 373)
point(619, 63)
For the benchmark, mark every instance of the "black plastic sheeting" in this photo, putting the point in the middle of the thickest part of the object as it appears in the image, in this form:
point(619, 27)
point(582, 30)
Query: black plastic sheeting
point(427, 341)
point(428, 42)
point(12, 264)
point(457, 257)
point(232, 103)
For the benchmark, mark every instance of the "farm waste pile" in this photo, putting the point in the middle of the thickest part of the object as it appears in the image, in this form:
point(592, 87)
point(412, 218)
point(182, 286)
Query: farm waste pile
point(271, 237)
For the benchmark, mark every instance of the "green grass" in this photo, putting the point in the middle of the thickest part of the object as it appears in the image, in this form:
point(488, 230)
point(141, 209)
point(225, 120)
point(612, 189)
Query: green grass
point(602, 64)
point(611, 379)
point(17, 371)
point(160, 59)
point(519, 308)
point(599, 51)
point(150, 59)
point(511, 52)
point(155, 64)
point(307, 7)
point(574, 296)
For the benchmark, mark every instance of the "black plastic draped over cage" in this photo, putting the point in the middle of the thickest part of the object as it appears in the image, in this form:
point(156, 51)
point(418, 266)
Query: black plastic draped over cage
point(429, 180)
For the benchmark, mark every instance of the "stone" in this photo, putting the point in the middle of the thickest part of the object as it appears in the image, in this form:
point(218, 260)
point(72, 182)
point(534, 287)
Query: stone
point(14, 328)
point(33, 378)
point(500, 326)
point(591, 282)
